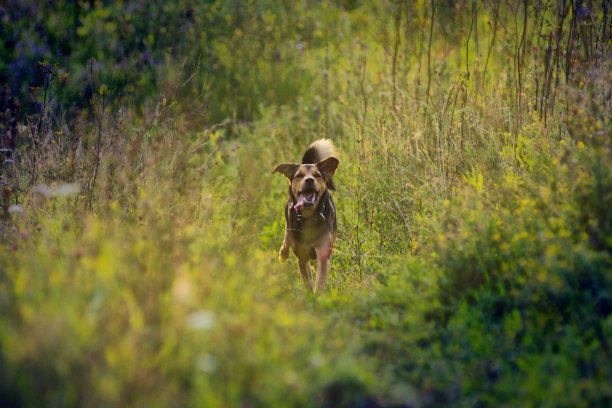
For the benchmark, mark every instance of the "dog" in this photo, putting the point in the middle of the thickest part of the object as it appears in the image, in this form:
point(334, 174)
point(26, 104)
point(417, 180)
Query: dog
point(310, 213)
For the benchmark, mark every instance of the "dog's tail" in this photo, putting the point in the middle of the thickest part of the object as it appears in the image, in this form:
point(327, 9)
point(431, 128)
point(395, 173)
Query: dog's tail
point(319, 150)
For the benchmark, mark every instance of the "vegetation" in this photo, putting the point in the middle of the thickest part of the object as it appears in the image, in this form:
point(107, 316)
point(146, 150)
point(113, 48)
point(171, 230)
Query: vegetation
point(141, 221)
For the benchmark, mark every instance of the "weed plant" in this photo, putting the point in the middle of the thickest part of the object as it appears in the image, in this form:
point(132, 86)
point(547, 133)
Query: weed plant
point(141, 221)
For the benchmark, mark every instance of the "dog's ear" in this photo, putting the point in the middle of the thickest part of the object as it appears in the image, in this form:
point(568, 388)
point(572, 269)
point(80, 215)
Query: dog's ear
point(286, 169)
point(328, 166)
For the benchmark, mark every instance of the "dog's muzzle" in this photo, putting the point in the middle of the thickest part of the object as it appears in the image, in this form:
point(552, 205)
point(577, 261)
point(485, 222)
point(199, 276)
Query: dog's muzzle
point(305, 199)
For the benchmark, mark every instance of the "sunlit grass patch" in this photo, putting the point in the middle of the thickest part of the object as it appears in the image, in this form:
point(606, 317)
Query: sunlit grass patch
point(141, 221)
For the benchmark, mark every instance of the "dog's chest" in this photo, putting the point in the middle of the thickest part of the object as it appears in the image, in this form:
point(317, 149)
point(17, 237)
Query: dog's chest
point(309, 230)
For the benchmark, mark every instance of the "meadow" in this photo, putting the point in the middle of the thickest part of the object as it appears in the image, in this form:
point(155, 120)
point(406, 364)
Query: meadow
point(141, 220)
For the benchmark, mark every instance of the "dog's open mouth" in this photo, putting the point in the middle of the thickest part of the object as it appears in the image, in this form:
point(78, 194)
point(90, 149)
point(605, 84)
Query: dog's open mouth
point(305, 200)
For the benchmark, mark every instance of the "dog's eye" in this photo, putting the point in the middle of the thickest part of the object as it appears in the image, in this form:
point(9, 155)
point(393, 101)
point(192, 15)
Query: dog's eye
point(299, 176)
point(318, 175)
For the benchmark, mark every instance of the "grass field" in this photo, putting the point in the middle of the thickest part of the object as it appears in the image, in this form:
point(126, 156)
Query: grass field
point(141, 220)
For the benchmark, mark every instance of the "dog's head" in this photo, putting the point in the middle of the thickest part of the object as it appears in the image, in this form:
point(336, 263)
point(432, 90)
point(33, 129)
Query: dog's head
point(308, 182)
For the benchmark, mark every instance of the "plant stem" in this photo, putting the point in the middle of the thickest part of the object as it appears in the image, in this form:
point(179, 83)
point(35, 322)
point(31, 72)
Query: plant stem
point(433, 11)
point(398, 23)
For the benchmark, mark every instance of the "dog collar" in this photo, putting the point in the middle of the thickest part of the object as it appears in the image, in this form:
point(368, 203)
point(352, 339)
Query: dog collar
point(317, 218)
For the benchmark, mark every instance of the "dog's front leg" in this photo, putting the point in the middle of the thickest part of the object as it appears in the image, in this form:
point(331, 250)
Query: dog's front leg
point(323, 254)
point(283, 254)
point(304, 267)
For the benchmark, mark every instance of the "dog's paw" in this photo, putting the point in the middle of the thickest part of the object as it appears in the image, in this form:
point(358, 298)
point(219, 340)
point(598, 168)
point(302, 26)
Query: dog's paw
point(283, 254)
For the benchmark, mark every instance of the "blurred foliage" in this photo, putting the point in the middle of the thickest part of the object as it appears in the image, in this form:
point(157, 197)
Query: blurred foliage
point(141, 222)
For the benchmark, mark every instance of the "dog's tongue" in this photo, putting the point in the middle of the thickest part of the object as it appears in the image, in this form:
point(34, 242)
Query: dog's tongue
point(304, 199)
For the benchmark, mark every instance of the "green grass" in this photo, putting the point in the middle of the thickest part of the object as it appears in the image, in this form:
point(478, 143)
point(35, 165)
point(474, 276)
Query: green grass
point(473, 261)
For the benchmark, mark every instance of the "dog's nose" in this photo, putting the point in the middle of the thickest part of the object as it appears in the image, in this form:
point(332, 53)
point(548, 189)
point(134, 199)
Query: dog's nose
point(309, 181)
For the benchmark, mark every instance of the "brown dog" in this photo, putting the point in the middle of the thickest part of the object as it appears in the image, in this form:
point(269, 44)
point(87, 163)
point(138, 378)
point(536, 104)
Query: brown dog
point(310, 213)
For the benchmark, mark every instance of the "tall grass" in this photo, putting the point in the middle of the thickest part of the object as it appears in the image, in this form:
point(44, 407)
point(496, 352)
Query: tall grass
point(473, 258)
